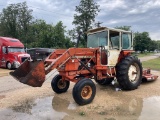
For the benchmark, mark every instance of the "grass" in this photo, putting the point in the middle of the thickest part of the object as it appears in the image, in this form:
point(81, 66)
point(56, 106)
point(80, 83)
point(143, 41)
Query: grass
point(152, 64)
point(144, 54)
point(82, 113)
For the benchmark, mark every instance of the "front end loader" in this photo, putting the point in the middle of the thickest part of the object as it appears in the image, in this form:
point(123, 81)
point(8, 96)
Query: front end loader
point(108, 56)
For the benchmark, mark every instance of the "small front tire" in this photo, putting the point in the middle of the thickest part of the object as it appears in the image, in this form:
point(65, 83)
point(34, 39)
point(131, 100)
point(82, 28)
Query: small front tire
point(58, 85)
point(84, 91)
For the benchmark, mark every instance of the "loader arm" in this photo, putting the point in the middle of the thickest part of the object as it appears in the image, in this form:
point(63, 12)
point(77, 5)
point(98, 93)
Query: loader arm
point(33, 73)
point(56, 62)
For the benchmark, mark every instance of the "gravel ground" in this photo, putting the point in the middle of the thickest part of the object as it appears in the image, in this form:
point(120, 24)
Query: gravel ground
point(108, 104)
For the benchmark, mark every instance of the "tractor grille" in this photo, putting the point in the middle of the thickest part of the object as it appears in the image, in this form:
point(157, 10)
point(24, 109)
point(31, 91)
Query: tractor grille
point(23, 59)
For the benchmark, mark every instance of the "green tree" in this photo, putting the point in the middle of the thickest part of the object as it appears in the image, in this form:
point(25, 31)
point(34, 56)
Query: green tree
point(42, 34)
point(15, 21)
point(142, 41)
point(68, 42)
point(158, 45)
point(86, 13)
point(35, 33)
point(48, 36)
point(127, 28)
point(59, 35)
point(60, 39)
point(153, 45)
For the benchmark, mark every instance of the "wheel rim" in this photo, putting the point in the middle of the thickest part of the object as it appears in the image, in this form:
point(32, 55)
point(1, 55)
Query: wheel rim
point(9, 65)
point(61, 84)
point(133, 73)
point(86, 92)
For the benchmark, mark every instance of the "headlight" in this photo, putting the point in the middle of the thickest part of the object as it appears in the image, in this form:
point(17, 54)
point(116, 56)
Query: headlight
point(16, 64)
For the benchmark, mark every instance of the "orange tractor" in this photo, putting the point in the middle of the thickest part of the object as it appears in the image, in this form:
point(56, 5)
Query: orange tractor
point(108, 56)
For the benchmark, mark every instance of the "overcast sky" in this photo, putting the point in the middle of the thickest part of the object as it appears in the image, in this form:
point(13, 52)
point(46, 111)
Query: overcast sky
point(141, 15)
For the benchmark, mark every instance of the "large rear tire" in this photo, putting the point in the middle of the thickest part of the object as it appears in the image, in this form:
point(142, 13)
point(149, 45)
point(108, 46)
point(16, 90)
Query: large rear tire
point(58, 85)
point(129, 73)
point(84, 91)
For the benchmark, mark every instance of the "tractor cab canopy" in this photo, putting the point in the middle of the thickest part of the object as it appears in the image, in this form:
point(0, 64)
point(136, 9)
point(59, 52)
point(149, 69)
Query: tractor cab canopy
point(110, 38)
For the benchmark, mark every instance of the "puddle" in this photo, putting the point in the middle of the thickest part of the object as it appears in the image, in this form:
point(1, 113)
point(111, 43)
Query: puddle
point(151, 108)
point(40, 109)
point(55, 108)
point(72, 106)
point(130, 107)
point(60, 104)
point(139, 109)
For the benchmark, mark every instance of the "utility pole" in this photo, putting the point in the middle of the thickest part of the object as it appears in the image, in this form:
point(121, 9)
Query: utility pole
point(98, 24)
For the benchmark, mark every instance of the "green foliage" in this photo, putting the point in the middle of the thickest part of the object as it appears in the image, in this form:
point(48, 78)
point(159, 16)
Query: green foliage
point(86, 13)
point(59, 36)
point(127, 28)
point(47, 35)
point(42, 34)
point(73, 34)
point(17, 21)
point(142, 41)
point(82, 113)
point(152, 46)
point(157, 44)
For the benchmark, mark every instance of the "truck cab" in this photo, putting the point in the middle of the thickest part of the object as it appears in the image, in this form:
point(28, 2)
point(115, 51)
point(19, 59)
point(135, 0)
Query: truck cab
point(12, 53)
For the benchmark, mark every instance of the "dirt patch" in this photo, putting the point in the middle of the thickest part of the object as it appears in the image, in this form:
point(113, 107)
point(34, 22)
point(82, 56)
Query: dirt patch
point(108, 103)
point(4, 72)
point(2, 96)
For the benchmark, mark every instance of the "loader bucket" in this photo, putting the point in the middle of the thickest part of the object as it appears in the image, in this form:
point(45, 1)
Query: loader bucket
point(30, 73)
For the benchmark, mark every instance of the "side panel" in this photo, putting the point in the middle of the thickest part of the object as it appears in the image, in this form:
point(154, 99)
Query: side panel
point(113, 56)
